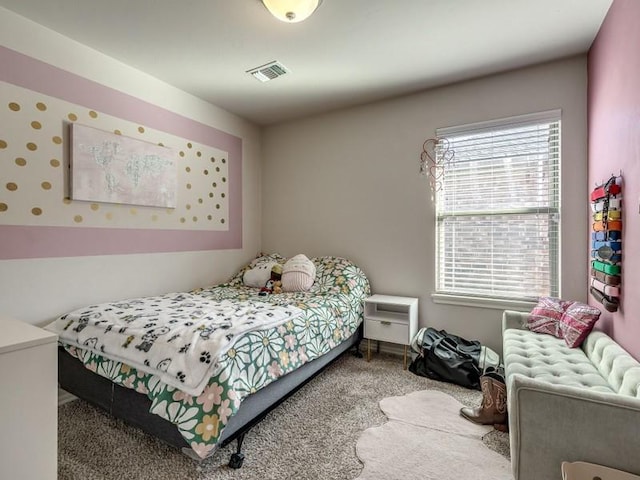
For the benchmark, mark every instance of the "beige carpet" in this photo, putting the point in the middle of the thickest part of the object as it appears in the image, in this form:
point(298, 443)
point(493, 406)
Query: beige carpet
point(311, 436)
point(426, 438)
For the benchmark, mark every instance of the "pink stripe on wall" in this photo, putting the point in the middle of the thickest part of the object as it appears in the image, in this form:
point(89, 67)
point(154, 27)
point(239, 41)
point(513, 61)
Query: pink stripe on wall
point(37, 242)
point(76, 242)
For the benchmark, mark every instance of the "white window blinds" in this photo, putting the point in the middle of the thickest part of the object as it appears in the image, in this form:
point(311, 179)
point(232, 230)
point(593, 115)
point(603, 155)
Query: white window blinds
point(498, 209)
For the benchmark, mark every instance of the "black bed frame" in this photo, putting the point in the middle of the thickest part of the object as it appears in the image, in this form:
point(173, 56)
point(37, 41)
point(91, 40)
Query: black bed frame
point(133, 407)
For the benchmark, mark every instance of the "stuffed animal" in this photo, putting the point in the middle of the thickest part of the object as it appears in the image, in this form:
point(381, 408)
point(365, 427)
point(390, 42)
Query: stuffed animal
point(298, 274)
point(277, 286)
point(267, 289)
point(276, 275)
point(257, 277)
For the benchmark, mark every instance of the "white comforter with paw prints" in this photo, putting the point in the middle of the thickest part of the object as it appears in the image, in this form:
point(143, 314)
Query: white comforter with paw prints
point(178, 336)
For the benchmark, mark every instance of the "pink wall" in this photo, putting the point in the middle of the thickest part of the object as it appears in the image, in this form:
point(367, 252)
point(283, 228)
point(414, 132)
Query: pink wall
point(614, 146)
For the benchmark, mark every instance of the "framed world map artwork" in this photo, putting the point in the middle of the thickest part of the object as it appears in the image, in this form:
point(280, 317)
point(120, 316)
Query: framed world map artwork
point(111, 168)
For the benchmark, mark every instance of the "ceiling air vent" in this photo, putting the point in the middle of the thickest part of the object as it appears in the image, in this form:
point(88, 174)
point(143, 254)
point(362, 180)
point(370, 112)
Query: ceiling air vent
point(268, 71)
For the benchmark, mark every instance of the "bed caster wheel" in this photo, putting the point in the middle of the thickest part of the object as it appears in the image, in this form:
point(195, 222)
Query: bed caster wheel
point(236, 460)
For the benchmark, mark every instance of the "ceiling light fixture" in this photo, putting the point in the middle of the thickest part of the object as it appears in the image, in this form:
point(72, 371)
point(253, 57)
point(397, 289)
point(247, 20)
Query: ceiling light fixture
point(291, 11)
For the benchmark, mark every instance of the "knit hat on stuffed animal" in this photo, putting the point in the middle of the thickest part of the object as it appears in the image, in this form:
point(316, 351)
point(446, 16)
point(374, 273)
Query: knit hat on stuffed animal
point(298, 274)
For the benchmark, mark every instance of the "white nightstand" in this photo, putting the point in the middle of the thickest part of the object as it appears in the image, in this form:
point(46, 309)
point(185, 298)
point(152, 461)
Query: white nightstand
point(390, 319)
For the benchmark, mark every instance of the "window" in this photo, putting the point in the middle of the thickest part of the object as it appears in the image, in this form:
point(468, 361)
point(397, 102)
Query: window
point(498, 209)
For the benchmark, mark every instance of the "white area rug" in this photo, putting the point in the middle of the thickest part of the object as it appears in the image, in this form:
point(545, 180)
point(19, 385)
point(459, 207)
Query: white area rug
point(427, 439)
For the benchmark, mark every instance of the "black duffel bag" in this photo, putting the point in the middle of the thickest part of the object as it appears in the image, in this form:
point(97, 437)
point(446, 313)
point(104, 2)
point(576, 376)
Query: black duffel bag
point(448, 358)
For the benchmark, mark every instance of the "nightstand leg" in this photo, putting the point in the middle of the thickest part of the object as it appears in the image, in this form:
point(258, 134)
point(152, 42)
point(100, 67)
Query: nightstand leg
point(368, 349)
point(404, 366)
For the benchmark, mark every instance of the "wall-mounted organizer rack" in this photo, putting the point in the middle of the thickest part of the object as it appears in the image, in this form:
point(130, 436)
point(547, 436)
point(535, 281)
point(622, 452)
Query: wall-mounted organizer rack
point(606, 243)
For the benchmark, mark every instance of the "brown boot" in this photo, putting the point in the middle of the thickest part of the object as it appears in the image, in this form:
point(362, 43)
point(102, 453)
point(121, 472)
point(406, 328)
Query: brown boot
point(501, 404)
point(493, 409)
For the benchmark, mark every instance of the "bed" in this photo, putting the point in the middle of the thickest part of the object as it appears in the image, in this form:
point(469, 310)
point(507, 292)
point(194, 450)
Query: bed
point(260, 369)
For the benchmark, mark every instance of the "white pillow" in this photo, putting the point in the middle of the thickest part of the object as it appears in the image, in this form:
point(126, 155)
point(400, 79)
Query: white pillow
point(257, 277)
point(298, 274)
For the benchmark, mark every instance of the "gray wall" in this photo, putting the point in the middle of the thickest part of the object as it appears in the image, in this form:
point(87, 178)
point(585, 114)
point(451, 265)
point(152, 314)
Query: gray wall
point(347, 183)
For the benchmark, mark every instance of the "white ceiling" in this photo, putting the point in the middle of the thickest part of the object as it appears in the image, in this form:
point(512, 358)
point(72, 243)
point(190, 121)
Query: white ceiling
point(348, 52)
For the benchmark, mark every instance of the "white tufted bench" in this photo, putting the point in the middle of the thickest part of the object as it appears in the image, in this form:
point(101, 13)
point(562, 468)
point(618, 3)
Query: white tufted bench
point(569, 404)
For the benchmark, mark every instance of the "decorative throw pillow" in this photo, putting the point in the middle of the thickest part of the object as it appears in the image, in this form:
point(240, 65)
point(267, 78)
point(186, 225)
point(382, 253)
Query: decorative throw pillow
point(298, 274)
point(238, 277)
point(258, 276)
point(546, 315)
point(576, 323)
point(566, 319)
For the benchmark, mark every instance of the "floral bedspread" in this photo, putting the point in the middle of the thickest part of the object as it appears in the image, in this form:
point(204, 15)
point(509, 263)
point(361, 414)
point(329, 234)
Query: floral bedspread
point(332, 311)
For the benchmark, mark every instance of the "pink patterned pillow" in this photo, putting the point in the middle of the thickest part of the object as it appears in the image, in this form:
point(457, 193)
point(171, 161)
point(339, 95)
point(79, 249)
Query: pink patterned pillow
point(565, 319)
point(546, 316)
point(576, 323)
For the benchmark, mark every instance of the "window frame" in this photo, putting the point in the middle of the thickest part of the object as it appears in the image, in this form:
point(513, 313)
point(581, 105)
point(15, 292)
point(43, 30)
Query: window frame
point(497, 302)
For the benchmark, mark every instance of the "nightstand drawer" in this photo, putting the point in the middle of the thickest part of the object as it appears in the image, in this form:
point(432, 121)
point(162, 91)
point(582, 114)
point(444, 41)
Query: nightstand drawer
point(386, 331)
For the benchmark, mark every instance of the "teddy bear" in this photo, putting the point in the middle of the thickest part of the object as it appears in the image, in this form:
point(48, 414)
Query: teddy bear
point(270, 285)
